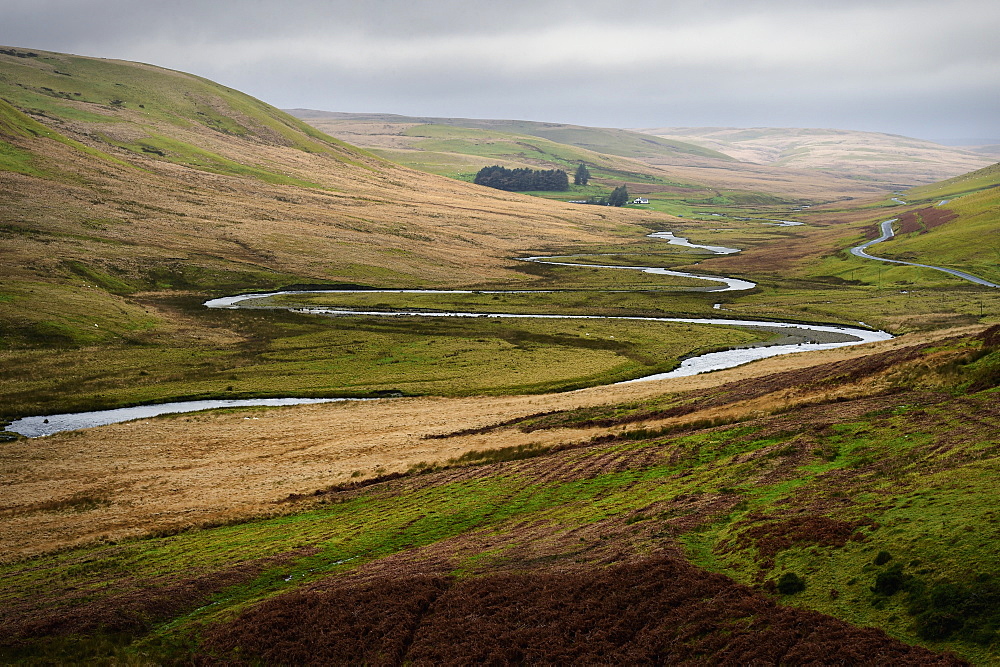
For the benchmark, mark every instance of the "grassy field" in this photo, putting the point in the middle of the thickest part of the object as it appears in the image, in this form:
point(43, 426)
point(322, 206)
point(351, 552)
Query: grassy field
point(874, 501)
point(309, 356)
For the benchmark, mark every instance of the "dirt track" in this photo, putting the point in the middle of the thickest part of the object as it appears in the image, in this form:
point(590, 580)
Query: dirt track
point(127, 479)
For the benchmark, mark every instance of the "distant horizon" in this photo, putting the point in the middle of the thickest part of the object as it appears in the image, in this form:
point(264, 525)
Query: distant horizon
point(958, 142)
point(904, 67)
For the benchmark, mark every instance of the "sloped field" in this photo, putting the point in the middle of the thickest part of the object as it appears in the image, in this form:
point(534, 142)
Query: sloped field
point(864, 498)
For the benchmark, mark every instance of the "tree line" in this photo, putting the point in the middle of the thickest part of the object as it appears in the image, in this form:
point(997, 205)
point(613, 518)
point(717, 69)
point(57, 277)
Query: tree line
point(502, 178)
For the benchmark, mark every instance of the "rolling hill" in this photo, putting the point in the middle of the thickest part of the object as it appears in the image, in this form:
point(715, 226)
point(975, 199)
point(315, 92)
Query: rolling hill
point(664, 168)
point(835, 505)
point(194, 147)
point(883, 158)
point(955, 224)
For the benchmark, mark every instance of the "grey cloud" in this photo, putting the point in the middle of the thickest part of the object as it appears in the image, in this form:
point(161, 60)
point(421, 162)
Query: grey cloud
point(903, 66)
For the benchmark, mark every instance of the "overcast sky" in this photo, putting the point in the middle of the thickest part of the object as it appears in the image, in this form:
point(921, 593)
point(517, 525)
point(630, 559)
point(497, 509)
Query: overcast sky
point(927, 69)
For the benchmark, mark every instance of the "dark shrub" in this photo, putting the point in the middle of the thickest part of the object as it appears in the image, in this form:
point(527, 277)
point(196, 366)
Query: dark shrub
point(883, 557)
point(936, 624)
point(790, 583)
point(889, 582)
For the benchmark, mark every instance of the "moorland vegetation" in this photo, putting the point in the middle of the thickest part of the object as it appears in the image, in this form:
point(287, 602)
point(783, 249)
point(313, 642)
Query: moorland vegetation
point(832, 506)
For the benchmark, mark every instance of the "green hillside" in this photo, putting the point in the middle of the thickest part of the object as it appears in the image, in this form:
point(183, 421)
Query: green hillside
point(611, 141)
point(956, 225)
point(514, 150)
point(100, 98)
point(608, 141)
point(90, 90)
point(982, 179)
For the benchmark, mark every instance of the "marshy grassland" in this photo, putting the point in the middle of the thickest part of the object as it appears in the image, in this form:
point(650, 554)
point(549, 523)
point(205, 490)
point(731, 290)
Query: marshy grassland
point(833, 502)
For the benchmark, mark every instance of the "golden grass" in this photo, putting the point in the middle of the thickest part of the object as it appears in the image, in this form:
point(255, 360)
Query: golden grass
point(187, 470)
point(396, 226)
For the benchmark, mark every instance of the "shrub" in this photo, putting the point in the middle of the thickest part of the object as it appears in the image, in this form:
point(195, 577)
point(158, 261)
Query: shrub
point(882, 558)
point(890, 581)
point(790, 583)
point(970, 610)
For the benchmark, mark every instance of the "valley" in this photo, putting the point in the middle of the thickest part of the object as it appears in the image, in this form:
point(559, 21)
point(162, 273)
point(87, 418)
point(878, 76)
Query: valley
point(831, 501)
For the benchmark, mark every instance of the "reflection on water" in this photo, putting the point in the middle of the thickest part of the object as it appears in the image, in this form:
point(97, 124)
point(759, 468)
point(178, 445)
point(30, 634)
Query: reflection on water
point(33, 427)
point(806, 337)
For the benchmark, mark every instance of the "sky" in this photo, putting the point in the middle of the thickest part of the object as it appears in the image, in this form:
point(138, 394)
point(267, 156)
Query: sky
point(925, 69)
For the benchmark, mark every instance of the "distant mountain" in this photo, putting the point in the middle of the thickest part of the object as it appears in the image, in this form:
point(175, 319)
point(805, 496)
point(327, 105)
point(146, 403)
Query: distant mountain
point(989, 150)
point(871, 155)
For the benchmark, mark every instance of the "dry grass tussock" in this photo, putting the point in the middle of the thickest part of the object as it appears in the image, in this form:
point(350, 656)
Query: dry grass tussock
point(188, 470)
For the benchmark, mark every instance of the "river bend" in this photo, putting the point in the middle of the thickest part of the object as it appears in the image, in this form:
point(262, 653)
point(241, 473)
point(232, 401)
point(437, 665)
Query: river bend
point(796, 337)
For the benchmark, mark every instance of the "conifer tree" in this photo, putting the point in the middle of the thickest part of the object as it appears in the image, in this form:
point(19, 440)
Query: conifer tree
point(582, 175)
point(619, 196)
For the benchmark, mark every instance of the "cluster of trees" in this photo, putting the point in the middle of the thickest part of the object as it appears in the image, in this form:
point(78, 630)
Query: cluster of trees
point(618, 197)
point(523, 179)
point(502, 178)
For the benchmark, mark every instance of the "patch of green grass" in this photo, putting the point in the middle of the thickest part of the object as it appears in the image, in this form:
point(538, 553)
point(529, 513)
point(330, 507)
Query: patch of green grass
point(930, 511)
point(21, 130)
point(18, 160)
point(131, 357)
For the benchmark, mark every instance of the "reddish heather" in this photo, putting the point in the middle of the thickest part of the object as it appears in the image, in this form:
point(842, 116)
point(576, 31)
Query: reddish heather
point(924, 219)
point(656, 610)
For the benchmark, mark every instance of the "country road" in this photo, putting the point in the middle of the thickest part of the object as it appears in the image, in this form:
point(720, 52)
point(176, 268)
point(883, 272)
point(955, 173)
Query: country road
point(888, 233)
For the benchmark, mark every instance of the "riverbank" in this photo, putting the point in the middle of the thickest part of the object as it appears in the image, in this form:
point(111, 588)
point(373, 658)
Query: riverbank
point(792, 338)
point(188, 470)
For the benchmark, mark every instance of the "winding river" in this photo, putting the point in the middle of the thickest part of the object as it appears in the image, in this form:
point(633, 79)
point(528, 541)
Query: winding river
point(794, 337)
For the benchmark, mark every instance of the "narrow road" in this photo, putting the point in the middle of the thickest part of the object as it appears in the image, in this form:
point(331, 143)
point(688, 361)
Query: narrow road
point(887, 233)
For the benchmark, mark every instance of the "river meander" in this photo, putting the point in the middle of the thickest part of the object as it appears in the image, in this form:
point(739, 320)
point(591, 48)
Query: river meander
point(793, 337)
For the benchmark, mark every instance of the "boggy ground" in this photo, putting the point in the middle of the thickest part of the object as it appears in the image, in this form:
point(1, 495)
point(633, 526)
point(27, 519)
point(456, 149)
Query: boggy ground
point(596, 544)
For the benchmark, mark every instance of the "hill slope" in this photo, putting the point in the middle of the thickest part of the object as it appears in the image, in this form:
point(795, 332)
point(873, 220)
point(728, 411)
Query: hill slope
point(742, 521)
point(196, 144)
point(956, 226)
point(883, 158)
point(666, 168)
point(130, 193)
